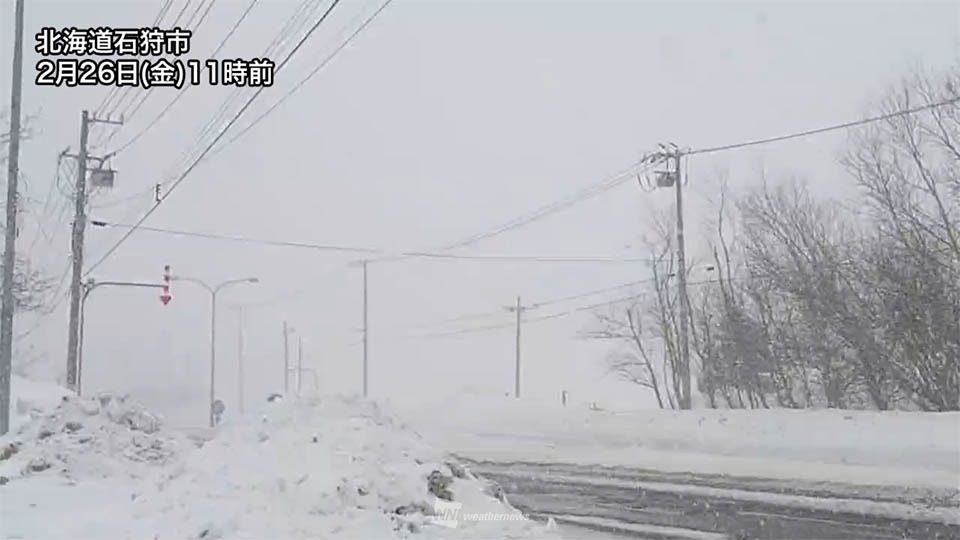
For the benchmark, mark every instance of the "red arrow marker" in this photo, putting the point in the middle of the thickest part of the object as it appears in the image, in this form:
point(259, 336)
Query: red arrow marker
point(165, 298)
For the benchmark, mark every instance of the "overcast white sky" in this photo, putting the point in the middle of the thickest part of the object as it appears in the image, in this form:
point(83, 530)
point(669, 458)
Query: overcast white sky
point(441, 120)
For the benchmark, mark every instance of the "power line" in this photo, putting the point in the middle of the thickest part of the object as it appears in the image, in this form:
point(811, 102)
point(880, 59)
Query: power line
point(535, 305)
point(135, 106)
point(133, 109)
point(189, 169)
point(606, 185)
point(309, 76)
point(582, 195)
point(113, 91)
point(290, 28)
point(130, 90)
point(183, 91)
point(818, 131)
point(368, 250)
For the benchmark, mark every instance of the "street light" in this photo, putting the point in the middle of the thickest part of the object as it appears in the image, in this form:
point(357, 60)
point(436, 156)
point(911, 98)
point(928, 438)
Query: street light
point(214, 290)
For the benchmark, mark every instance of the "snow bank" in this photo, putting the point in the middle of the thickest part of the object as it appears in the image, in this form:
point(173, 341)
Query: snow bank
point(77, 438)
point(332, 468)
point(31, 398)
point(321, 469)
point(889, 447)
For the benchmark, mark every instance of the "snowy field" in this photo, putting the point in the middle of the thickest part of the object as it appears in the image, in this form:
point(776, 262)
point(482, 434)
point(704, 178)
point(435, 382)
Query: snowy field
point(331, 468)
point(858, 447)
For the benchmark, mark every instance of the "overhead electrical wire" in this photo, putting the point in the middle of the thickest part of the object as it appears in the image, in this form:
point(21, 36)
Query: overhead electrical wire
point(134, 106)
point(132, 110)
point(582, 195)
point(183, 91)
point(163, 12)
point(189, 169)
point(818, 131)
point(294, 24)
point(121, 93)
point(113, 91)
point(309, 76)
point(608, 184)
point(355, 249)
point(534, 305)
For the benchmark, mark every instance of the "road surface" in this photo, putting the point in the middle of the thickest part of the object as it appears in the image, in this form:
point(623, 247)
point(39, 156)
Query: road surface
point(653, 505)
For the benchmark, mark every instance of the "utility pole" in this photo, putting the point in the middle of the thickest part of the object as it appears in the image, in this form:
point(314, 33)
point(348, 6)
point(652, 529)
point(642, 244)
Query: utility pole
point(77, 242)
point(365, 330)
point(286, 359)
point(299, 364)
point(685, 401)
point(10, 234)
point(240, 374)
point(667, 179)
point(516, 376)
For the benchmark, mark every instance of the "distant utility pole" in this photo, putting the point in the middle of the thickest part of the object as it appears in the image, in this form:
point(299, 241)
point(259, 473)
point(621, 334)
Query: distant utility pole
point(240, 373)
point(10, 234)
point(286, 358)
point(666, 179)
point(299, 364)
point(365, 330)
point(77, 240)
point(519, 309)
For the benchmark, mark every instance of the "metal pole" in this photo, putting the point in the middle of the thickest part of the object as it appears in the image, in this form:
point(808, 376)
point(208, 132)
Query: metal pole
point(516, 380)
point(365, 330)
point(299, 364)
point(286, 359)
point(79, 225)
point(685, 401)
point(240, 374)
point(88, 288)
point(10, 236)
point(213, 353)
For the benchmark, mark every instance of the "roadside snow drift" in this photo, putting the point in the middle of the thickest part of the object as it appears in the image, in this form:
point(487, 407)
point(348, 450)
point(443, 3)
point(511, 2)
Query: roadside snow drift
point(884, 448)
point(333, 468)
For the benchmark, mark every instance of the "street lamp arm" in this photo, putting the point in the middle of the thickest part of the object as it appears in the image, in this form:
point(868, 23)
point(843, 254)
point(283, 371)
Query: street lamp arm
point(228, 283)
point(195, 281)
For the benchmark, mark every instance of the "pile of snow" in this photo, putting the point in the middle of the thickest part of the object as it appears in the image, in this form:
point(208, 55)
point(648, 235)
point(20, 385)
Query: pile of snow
point(97, 437)
point(30, 398)
point(916, 448)
point(333, 468)
point(319, 469)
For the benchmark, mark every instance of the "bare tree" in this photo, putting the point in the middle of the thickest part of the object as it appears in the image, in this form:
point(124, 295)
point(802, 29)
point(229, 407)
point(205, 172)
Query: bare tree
point(815, 305)
point(30, 285)
point(909, 169)
point(634, 364)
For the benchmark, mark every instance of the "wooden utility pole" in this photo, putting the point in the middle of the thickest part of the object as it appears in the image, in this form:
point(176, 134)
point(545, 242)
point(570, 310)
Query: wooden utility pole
point(519, 309)
point(10, 233)
point(77, 243)
point(685, 401)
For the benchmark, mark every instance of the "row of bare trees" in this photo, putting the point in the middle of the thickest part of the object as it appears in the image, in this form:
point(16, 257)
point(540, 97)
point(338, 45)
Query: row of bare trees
point(818, 303)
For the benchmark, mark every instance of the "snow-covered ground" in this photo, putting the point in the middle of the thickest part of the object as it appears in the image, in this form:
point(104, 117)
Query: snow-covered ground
point(859, 447)
point(326, 468)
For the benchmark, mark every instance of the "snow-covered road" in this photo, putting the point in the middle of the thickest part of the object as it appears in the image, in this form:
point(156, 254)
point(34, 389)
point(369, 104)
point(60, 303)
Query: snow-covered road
point(648, 504)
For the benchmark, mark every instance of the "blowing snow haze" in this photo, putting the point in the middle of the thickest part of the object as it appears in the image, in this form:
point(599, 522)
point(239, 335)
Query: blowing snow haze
point(592, 264)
